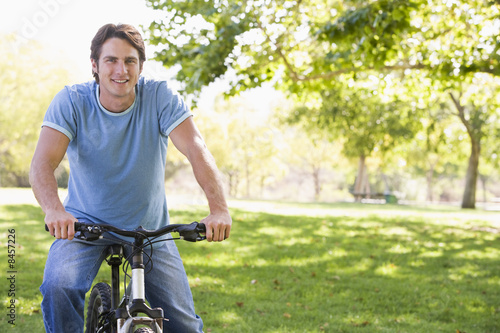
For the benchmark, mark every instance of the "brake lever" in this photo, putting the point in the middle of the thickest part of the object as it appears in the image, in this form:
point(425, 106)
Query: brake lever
point(87, 236)
point(192, 232)
point(87, 232)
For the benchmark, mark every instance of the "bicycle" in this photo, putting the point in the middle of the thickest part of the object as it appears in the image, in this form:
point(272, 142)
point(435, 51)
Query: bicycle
point(106, 313)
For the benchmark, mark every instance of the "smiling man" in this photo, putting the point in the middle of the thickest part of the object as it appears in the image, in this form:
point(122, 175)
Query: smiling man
point(115, 131)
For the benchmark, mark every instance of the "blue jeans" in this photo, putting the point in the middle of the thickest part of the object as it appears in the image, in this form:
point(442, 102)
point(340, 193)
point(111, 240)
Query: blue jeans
point(72, 266)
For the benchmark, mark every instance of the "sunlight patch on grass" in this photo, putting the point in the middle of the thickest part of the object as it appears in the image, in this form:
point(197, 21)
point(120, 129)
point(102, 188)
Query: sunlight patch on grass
point(431, 254)
point(362, 265)
point(467, 270)
point(417, 263)
point(397, 231)
point(230, 316)
point(338, 253)
point(278, 232)
point(301, 262)
point(388, 269)
point(485, 253)
point(476, 306)
point(400, 249)
point(294, 241)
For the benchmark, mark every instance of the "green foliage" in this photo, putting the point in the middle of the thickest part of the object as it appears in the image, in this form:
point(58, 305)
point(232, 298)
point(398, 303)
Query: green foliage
point(313, 49)
point(369, 34)
point(366, 121)
point(28, 82)
point(250, 145)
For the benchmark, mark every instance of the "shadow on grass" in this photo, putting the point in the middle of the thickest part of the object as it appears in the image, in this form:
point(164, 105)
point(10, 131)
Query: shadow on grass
point(341, 274)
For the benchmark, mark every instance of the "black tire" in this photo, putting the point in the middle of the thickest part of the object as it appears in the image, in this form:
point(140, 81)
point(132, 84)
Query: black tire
point(99, 303)
point(144, 330)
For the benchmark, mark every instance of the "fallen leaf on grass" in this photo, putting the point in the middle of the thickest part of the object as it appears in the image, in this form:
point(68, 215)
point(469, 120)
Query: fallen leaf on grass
point(287, 315)
point(365, 323)
point(240, 304)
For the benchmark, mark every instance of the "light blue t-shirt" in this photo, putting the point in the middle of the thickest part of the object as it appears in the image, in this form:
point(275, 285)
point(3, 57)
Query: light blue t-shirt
point(117, 160)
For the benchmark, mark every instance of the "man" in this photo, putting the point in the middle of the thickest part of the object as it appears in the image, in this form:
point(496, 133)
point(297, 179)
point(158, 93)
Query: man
point(115, 131)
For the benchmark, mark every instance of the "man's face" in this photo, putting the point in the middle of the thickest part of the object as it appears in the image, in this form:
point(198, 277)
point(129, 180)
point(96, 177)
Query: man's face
point(119, 69)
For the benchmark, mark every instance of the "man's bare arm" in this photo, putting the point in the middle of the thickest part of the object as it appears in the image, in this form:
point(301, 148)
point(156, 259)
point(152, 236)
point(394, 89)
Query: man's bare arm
point(189, 141)
point(49, 152)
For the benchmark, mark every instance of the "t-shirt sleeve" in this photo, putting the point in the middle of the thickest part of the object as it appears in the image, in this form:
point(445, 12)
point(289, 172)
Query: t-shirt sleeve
point(171, 107)
point(60, 115)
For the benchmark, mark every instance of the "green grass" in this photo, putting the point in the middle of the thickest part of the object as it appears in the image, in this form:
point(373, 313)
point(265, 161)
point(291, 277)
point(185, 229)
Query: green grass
point(315, 268)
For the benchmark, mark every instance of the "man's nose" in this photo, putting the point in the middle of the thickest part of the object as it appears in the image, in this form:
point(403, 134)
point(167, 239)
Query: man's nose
point(121, 67)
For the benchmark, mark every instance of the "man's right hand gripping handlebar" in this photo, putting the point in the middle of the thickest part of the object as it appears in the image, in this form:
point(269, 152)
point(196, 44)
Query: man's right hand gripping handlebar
point(60, 224)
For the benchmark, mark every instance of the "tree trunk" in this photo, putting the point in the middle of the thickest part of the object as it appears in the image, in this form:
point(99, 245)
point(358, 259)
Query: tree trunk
point(469, 197)
point(484, 180)
point(430, 180)
point(247, 175)
point(361, 185)
point(317, 182)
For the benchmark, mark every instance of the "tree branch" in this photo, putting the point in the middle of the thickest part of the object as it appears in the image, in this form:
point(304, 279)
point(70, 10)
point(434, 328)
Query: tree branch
point(461, 115)
point(332, 74)
point(294, 74)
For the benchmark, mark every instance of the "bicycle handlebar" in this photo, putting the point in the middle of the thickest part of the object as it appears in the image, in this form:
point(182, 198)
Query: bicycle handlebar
point(188, 232)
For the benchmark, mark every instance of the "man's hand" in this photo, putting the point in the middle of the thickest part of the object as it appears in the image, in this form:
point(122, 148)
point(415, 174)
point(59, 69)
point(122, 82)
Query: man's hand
point(218, 226)
point(61, 224)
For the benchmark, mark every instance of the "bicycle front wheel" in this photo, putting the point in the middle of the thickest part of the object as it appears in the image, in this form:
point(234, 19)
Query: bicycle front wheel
point(144, 330)
point(99, 305)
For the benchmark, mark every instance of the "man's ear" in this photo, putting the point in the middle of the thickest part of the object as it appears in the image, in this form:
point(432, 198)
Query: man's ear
point(95, 66)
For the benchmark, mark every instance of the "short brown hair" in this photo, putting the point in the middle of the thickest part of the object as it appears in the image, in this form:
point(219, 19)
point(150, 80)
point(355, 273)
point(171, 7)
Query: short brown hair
point(122, 31)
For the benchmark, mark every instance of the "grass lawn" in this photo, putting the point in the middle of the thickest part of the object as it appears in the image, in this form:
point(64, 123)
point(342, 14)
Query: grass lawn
point(313, 268)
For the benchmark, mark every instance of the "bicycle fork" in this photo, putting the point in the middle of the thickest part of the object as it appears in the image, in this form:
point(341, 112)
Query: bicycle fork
point(133, 310)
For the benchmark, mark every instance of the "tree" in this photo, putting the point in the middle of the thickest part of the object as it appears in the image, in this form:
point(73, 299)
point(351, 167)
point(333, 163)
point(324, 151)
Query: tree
point(479, 110)
point(367, 122)
point(247, 138)
point(449, 42)
point(28, 82)
point(312, 151)
point(305, 46)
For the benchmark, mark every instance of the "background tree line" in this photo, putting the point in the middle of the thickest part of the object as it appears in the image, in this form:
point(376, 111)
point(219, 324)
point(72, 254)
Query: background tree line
point(378, 74)
point(371, 96)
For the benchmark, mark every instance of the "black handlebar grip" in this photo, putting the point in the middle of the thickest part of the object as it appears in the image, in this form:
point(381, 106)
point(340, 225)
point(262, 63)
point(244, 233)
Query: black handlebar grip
point(78, 225)
point(201, 227)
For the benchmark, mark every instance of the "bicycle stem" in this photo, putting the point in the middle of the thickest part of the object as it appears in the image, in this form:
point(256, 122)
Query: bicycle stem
point(138, 283)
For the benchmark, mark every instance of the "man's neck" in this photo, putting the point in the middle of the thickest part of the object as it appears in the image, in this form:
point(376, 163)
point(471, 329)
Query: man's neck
point(115, 104)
